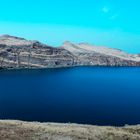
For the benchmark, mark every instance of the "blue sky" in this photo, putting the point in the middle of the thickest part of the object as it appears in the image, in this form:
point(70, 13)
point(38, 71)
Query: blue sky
point(112, 23)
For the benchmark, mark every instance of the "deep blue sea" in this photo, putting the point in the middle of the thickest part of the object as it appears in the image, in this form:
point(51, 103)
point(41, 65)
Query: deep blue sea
point(87, 95)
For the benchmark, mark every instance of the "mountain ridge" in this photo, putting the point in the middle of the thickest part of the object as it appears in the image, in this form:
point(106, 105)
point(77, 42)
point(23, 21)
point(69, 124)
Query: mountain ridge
point(17, 52)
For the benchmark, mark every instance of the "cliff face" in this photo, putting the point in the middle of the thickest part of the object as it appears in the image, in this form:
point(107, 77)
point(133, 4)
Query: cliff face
point(95, 55)
point(18, 52)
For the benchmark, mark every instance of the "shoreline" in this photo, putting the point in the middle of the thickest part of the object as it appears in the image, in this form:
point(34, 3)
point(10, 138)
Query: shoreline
point(66, 67)
point(21, 130)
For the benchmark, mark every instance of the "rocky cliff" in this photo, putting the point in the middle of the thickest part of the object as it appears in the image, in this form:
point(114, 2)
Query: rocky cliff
point(18, 52)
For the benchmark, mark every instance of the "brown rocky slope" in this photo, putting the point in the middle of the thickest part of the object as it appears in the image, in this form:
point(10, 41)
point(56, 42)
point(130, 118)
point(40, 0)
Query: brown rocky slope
point(18, 52)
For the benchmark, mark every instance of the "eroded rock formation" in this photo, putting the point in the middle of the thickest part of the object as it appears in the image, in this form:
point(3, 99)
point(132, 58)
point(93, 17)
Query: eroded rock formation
point(18, 52)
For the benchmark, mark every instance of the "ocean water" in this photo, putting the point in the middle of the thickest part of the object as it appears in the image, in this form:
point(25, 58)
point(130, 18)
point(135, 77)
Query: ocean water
point(87, 95)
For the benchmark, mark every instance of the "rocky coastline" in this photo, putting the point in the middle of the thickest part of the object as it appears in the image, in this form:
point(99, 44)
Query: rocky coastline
point(19, 53)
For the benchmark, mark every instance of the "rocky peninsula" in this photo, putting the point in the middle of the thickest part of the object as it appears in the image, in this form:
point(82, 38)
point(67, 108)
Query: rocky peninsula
point(16, 52)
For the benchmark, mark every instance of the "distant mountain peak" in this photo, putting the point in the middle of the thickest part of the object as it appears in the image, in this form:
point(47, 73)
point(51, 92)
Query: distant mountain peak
point(67, 43)
point(83, 48)
point(13, 40)
point(10, 36)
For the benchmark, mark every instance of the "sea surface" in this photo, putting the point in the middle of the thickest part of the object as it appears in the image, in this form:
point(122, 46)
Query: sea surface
point(87, 95)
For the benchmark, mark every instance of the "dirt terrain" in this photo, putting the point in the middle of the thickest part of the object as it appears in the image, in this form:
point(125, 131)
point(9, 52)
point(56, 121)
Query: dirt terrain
point(18, 130)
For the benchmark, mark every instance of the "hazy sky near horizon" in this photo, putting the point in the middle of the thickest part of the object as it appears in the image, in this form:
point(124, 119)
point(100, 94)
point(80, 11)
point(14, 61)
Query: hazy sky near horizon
point(112, 23)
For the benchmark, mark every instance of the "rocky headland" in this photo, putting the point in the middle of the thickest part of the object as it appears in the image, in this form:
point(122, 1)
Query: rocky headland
point(16, 52)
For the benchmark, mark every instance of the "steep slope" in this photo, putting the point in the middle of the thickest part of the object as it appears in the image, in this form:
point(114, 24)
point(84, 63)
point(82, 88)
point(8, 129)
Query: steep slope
point(93, 55)
point(14, 41)
point(16, 52)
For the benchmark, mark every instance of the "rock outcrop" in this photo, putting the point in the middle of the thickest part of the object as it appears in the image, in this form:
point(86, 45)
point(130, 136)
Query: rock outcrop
point(101, 56)
point(18, 52)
